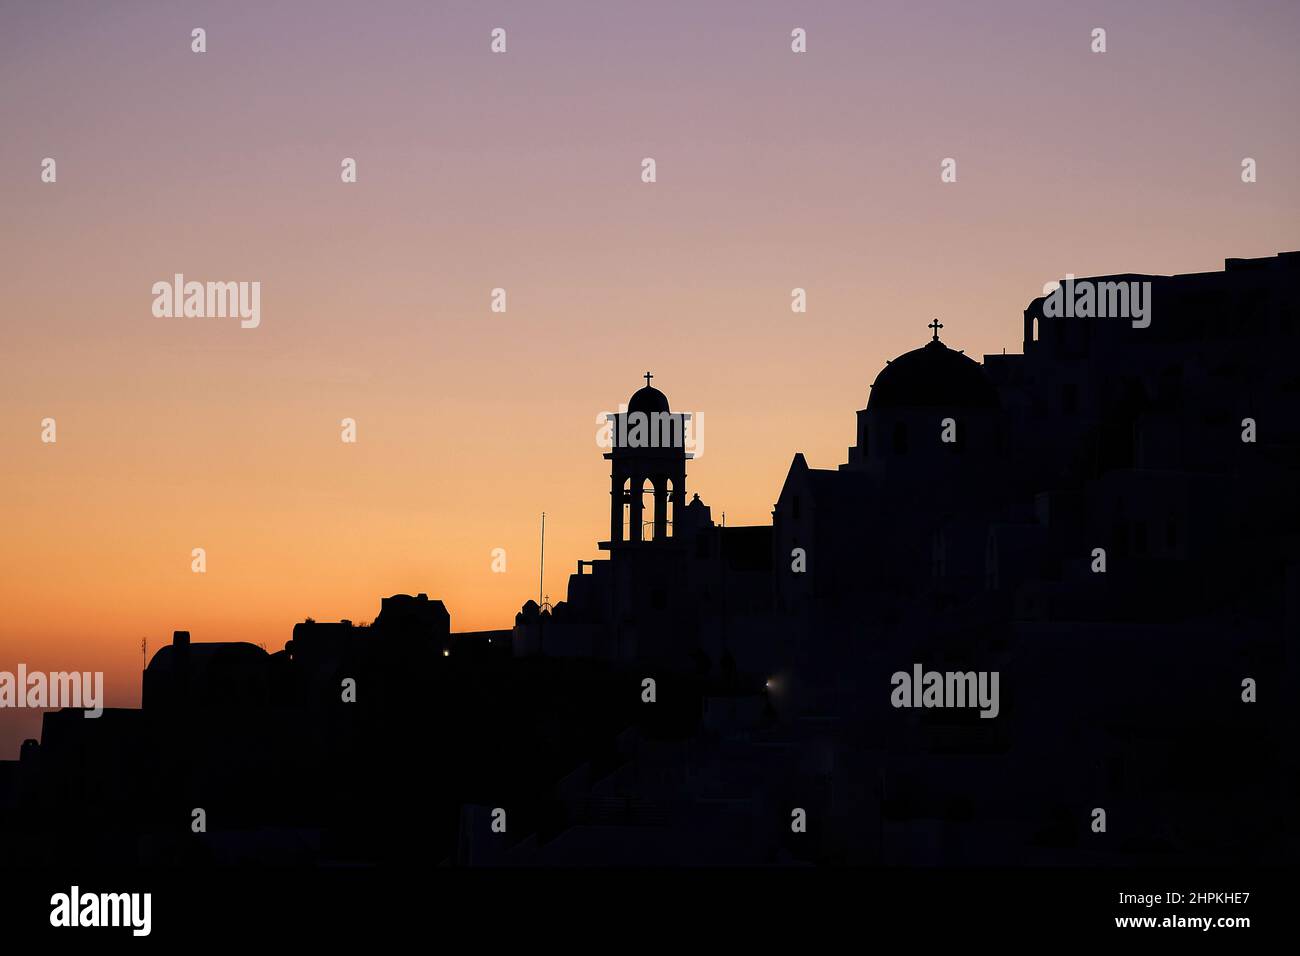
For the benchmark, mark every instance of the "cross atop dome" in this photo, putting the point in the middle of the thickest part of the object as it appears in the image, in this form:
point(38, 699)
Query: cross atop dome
point(647, 398)
point(936, 325)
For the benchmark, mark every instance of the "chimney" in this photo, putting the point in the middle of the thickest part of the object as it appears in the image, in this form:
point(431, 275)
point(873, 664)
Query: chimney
point(181, 638)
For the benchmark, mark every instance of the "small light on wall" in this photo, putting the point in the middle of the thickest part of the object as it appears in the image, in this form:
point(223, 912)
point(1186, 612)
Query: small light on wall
point(446, 653)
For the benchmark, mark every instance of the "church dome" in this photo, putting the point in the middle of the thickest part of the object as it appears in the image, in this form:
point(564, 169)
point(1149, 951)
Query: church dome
point(648, 400)
point(933, 376)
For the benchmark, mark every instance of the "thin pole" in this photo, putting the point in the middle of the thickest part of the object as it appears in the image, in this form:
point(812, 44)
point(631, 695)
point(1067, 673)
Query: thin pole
point(541, 571)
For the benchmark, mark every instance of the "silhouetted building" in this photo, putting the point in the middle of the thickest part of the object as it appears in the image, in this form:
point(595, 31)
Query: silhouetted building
point(189, 676)
point(676, 588)
point(1107, 520)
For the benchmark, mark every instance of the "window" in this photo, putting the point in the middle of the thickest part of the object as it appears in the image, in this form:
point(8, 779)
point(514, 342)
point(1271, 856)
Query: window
point(670, 498)
point(626, 495)
point(647, 510)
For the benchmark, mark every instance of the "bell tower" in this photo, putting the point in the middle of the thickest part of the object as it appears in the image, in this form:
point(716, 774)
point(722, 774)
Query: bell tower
point(647, 471)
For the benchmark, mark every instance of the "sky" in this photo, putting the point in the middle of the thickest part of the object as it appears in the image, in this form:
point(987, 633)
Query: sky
point(522, 170)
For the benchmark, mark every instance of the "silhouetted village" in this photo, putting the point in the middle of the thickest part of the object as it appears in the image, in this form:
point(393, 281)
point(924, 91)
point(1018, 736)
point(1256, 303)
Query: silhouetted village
point(1107, 521)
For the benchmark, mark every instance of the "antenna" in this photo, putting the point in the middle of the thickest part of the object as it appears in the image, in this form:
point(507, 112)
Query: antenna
point(541, 571)
point(144, 651)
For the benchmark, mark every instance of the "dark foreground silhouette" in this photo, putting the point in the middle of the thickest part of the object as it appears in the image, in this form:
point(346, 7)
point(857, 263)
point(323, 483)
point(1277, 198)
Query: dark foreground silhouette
point(1106, 525)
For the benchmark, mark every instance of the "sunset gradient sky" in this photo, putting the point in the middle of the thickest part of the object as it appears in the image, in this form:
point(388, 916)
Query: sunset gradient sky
point(522, 170)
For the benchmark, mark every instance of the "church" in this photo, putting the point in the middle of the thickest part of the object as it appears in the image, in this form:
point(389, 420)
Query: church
point(679, 589)
point(974, 495)
point(676, 588)
point(1101, 521)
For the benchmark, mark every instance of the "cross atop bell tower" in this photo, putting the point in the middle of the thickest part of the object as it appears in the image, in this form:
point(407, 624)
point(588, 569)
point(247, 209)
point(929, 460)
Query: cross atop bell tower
point(936, 325)
point(648, 376)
